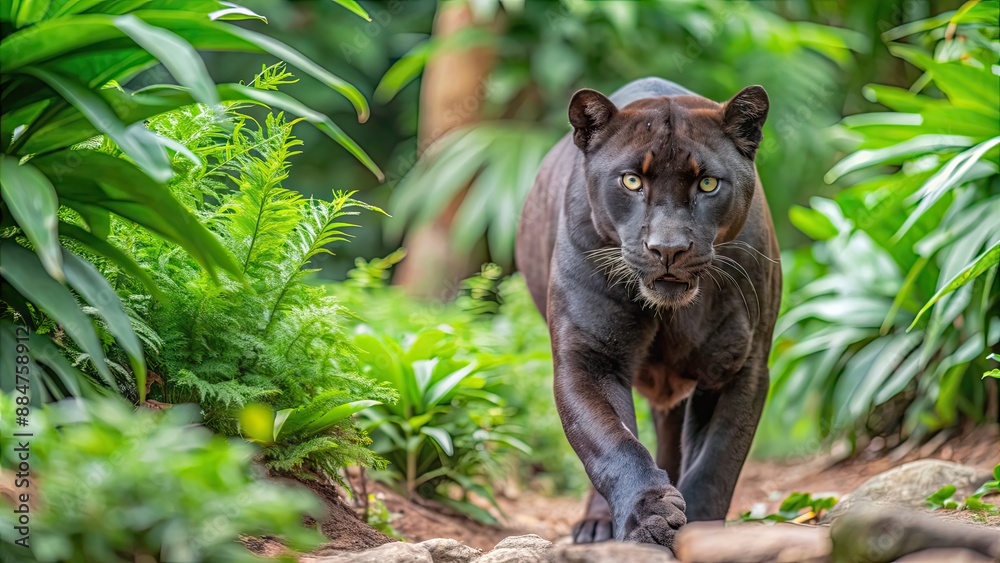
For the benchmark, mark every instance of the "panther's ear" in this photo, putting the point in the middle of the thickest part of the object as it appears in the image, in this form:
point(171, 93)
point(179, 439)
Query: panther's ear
point(589, 112)
point(744, 117)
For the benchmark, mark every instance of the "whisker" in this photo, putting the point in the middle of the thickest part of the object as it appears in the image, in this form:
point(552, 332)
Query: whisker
point(736, 284)
point(748, 248)
point(742, 270)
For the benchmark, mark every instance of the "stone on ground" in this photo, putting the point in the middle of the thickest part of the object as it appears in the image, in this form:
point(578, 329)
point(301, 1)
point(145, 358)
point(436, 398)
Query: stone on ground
point(711, 542)
point(870, 532)
point(445, 550)
point(610, 551)
point(395, 552)
point(910, 484)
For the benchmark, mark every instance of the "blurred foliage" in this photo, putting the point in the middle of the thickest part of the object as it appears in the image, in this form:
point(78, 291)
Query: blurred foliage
point(550, 49)
point(898, 296)
point(108, 484)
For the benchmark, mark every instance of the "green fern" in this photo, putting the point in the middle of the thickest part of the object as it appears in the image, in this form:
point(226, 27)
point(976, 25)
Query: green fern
point(273, 338)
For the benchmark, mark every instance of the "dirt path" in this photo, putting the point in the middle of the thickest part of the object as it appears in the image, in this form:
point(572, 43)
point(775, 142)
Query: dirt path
point(766, 482)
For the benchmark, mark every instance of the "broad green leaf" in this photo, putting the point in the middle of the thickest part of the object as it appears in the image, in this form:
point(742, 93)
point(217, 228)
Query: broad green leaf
point(91, 285)
point(811, 222)
point(176, 54)
point(297, 59)
point(355, 8)
point(69, 7)
point(23, 270)
point(33, 203)
point(280, 418)
point(442, 437)
point(234, 12)
point(942, 498)
point(956, 171)
point(135, 140)
point(965, 85)
point(54, 37)
point(291, 105)
point(980, 265)
point(98, 179)
point(113, 253)
point(441, 389)
point(338, 414)
point(45, 352)
point(922, 144)
point(30, 11)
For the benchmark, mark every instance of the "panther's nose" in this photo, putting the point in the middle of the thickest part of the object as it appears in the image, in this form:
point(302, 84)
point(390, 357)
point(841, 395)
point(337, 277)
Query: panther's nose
point(668, 251)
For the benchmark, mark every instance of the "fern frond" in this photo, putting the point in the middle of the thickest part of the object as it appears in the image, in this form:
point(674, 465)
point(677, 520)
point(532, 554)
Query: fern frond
point(270, 77)
point(260, 218)
point(227, 393)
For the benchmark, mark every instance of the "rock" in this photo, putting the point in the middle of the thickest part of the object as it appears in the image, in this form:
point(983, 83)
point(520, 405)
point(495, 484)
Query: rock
point(395, 552)
point(873, 533)
point(529, 542)
point(712, 542)
point(949, 555)
point(445, 550)
point(529, 548)
point(512, 555)
point(609, 552)
point(909, 485)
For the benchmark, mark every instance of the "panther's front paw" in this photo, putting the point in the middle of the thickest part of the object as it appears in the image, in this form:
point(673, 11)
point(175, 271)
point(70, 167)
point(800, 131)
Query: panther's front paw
point(656, 516)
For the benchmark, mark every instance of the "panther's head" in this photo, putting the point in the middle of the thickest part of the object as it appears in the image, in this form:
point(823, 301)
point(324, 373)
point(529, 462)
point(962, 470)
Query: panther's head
point(667, 179)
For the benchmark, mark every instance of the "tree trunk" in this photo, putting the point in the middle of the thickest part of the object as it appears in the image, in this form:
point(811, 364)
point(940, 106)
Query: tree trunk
point(451, 95)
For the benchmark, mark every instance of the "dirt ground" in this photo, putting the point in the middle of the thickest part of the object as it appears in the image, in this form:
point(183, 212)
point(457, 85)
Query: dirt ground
point(766, 482)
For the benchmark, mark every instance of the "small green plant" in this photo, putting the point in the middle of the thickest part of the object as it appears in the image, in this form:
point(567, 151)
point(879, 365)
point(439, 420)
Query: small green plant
point(377, 516)
point(791, 509)
point(448, 424)
point(111, 485)
point(944, 497)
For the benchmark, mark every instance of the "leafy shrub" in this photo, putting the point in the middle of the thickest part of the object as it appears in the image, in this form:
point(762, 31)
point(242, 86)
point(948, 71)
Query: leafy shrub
point(448, 423)
point(898, 296)
point(109, 484)
point(492, 316)
point(265, 336)
point(63, 64)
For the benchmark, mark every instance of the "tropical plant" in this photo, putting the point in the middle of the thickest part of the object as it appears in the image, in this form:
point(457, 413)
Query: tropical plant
point(448, 423)
point(495, 316)
point(110, 484)
point(63, 64)
point(898, 296)
point(266, 336)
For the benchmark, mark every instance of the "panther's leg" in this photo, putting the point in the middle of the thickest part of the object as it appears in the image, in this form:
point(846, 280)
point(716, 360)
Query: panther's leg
point(719, 426)
point(669, 425)
point(596, 523)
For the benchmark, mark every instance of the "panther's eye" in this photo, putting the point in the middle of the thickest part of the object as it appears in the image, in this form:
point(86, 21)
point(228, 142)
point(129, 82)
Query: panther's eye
point(708, 184)
point(632, 182)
